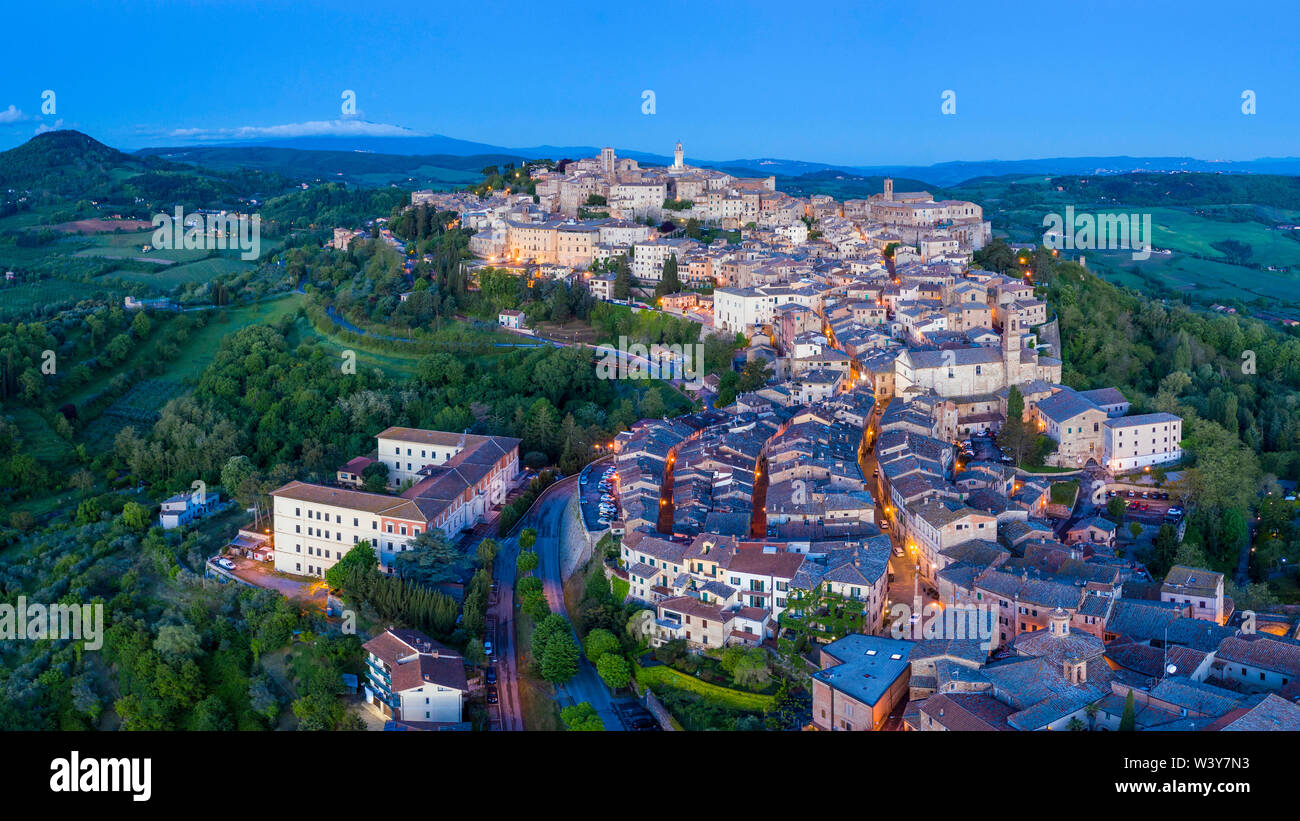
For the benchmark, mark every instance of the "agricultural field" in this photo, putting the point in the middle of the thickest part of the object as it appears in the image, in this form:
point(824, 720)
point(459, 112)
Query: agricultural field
point(13, 256)
point(1193, 263)
point(1198, 279)
point(39, 439)
point(21, 300)
point(140, 406)
point(169, 276)
point(203, 343)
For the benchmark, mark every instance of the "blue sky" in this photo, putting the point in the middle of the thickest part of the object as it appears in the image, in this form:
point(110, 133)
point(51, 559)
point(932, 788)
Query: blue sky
point(853, 83)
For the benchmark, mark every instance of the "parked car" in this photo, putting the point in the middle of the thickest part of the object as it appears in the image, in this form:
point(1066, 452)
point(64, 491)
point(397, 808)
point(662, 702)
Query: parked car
point(898, 551)
point(491, 674)
point(492, 696)
point(884, 525)
point(226, 563)
point(487, 648)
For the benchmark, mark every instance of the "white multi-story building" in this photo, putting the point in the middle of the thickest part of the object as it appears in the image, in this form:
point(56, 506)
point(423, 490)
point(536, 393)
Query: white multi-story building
point(1139, 441)
point(414, 680)
point(454, 480)
point(648, 258)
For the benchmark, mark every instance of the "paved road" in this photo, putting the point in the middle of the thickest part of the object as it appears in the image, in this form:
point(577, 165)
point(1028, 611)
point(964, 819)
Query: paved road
point(903, 587)
point(509, 710)
point(548, 516)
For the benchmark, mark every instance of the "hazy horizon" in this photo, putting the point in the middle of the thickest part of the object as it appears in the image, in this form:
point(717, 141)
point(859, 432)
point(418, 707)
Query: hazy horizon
point(838, 84)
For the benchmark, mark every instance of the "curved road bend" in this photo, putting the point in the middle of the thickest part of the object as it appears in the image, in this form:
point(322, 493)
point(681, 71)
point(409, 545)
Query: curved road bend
point(547, 515)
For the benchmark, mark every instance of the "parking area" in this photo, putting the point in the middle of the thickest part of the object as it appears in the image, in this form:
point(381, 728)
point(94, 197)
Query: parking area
point(983, 448)
point(635, 716)
point(598, 495)
point(311, 592)
point(1146, 505)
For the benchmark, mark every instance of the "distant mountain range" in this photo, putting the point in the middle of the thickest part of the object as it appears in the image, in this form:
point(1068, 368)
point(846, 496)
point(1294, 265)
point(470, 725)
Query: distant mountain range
point(941, 174)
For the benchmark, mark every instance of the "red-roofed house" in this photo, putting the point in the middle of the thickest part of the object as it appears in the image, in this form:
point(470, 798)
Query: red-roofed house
point(410, 677)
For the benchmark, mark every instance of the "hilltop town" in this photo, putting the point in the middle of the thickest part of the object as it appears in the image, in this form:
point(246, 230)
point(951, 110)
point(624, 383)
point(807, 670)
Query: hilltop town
point(908, 458)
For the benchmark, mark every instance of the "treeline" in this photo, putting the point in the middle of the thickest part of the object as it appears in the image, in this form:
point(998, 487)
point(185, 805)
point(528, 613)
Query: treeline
point(1233, 381)
point(333, 205)
point(1180, 189)
point(513, 512)
point(394, 598)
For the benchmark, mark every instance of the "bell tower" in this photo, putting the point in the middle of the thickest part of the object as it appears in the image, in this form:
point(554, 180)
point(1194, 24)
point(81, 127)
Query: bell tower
point(678, 157)
point(1011, 347)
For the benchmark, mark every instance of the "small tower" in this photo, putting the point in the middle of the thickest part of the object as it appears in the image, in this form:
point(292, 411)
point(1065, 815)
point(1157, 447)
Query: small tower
point(1011, 347)
point(1059, 623)
point(889, 190)
point(607, 160)
point(677, 158)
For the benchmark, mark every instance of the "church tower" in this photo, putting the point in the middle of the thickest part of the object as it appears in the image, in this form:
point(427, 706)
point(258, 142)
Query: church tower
point(889, 190)
point(1011, 347)
point(677, 158)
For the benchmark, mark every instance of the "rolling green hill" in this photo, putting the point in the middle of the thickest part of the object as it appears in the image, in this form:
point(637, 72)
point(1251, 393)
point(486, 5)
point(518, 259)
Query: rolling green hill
point(355, 167)
point(67, 163)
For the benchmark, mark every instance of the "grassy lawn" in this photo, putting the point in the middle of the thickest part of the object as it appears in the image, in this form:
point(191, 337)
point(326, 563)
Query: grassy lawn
point(1045, 469)
point(537, 701)
point(19, 301)
point(1063, 493)
point(204, 343)
point(536, 696)
point(39, 439)
point(393, 364)
point(664, 676)
point(170, 276)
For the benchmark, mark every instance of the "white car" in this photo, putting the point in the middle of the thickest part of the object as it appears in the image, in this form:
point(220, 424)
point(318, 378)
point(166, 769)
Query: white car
point(225, 563)
point(487, 648)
